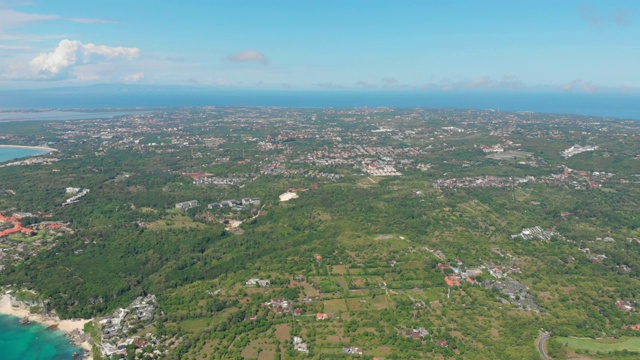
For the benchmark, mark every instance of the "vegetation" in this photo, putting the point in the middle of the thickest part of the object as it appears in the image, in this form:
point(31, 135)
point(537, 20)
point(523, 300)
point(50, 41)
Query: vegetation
point(366, 244)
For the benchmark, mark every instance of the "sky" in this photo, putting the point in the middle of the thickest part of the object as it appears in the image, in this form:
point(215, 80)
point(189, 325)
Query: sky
point(567, 45)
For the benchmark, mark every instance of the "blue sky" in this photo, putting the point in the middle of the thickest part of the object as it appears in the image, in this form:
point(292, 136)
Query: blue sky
point(331, 44)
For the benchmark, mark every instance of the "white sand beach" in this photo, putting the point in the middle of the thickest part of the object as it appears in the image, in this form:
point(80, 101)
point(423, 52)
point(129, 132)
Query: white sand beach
point(7, 308)
point(43, 148)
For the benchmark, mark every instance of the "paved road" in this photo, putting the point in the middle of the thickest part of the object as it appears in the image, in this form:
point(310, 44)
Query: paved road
point(541, 340)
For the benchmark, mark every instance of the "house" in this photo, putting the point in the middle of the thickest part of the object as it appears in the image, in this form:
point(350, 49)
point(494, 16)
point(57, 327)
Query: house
point(515, 269)
point(322, 316)
point(251, 201)
point(451, 280)
point(442, 343)
point(625, 305)
point(214, 206)
point(259, 282)
point(140, 343)
point(20, 215)
point(474, 272)
point(417, 334)
point(297, 312)
point(352, 350)
point(300, 345)
point(187, 205)
point(279, 304)
point(72, 190)
point(197, 176)
point(300, 277)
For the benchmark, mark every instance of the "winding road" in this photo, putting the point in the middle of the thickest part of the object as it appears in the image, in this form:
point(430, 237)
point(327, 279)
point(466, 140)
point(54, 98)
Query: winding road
point(541, 340)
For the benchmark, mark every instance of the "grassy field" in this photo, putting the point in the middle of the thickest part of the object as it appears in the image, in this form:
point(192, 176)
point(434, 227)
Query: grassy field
point(175, 222)
point(603, 345)
point(194, 324)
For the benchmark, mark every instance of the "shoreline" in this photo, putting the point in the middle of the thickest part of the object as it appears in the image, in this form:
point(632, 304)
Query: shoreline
point(43, 148)
point(53, 322)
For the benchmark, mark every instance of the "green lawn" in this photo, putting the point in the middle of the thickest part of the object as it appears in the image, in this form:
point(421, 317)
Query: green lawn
point(27, 238)
point(604, 345)
point(194, 324)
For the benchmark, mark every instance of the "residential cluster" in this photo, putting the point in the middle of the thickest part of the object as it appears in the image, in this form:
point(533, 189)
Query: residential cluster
point(17, 227)
point(235, 204)
point(577, 149)
point(77, 194)
point(536, 233)
point(117, 328)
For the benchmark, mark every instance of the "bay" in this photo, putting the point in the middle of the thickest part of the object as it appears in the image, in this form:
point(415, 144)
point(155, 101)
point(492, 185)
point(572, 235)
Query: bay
point(32, 341)
point(11, 153)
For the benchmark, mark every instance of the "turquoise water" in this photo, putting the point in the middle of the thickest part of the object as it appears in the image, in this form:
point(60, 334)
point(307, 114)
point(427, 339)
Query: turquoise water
point(7, 154)
point(32, 342)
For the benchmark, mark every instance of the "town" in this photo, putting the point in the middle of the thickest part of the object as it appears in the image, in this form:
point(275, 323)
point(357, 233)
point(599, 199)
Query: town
point(380, 233)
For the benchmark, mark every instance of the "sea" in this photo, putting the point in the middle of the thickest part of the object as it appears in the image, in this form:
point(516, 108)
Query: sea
point(10, 153)
point(32, 341)
point(53, 115)
point(615, 105)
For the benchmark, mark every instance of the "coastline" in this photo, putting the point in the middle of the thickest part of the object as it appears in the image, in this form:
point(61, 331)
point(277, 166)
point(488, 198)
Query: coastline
point(43, 148)
point(66, 326)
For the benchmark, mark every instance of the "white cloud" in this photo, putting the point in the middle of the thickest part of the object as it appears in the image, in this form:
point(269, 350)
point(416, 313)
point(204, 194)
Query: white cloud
point(91, 21)
point(248, 56)
point(10, 18)
point(134, 77)
point(60, 63)
point(507, 82)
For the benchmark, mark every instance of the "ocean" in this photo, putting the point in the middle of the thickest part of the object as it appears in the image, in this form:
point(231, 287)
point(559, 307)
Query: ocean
point(616, 105)
point(32, 342)
point(54, 115)
point(9, 153)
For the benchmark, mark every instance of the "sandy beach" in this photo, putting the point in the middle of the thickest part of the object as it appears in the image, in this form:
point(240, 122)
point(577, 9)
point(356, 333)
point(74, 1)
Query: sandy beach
point(43, 148)
point(67, 326)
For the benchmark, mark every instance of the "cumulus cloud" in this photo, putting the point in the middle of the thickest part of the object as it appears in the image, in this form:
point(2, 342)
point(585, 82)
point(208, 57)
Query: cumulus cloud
point(61, 62)
point(623, 17)
point(365, 85)
point(579, 85)
point(507, 82)
point(570, 86)
point(511, 82)
point(329, 85)
point(248, 56)
point(593, 17)
point(589, 14)
point(135, 77)
point(481, 83)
